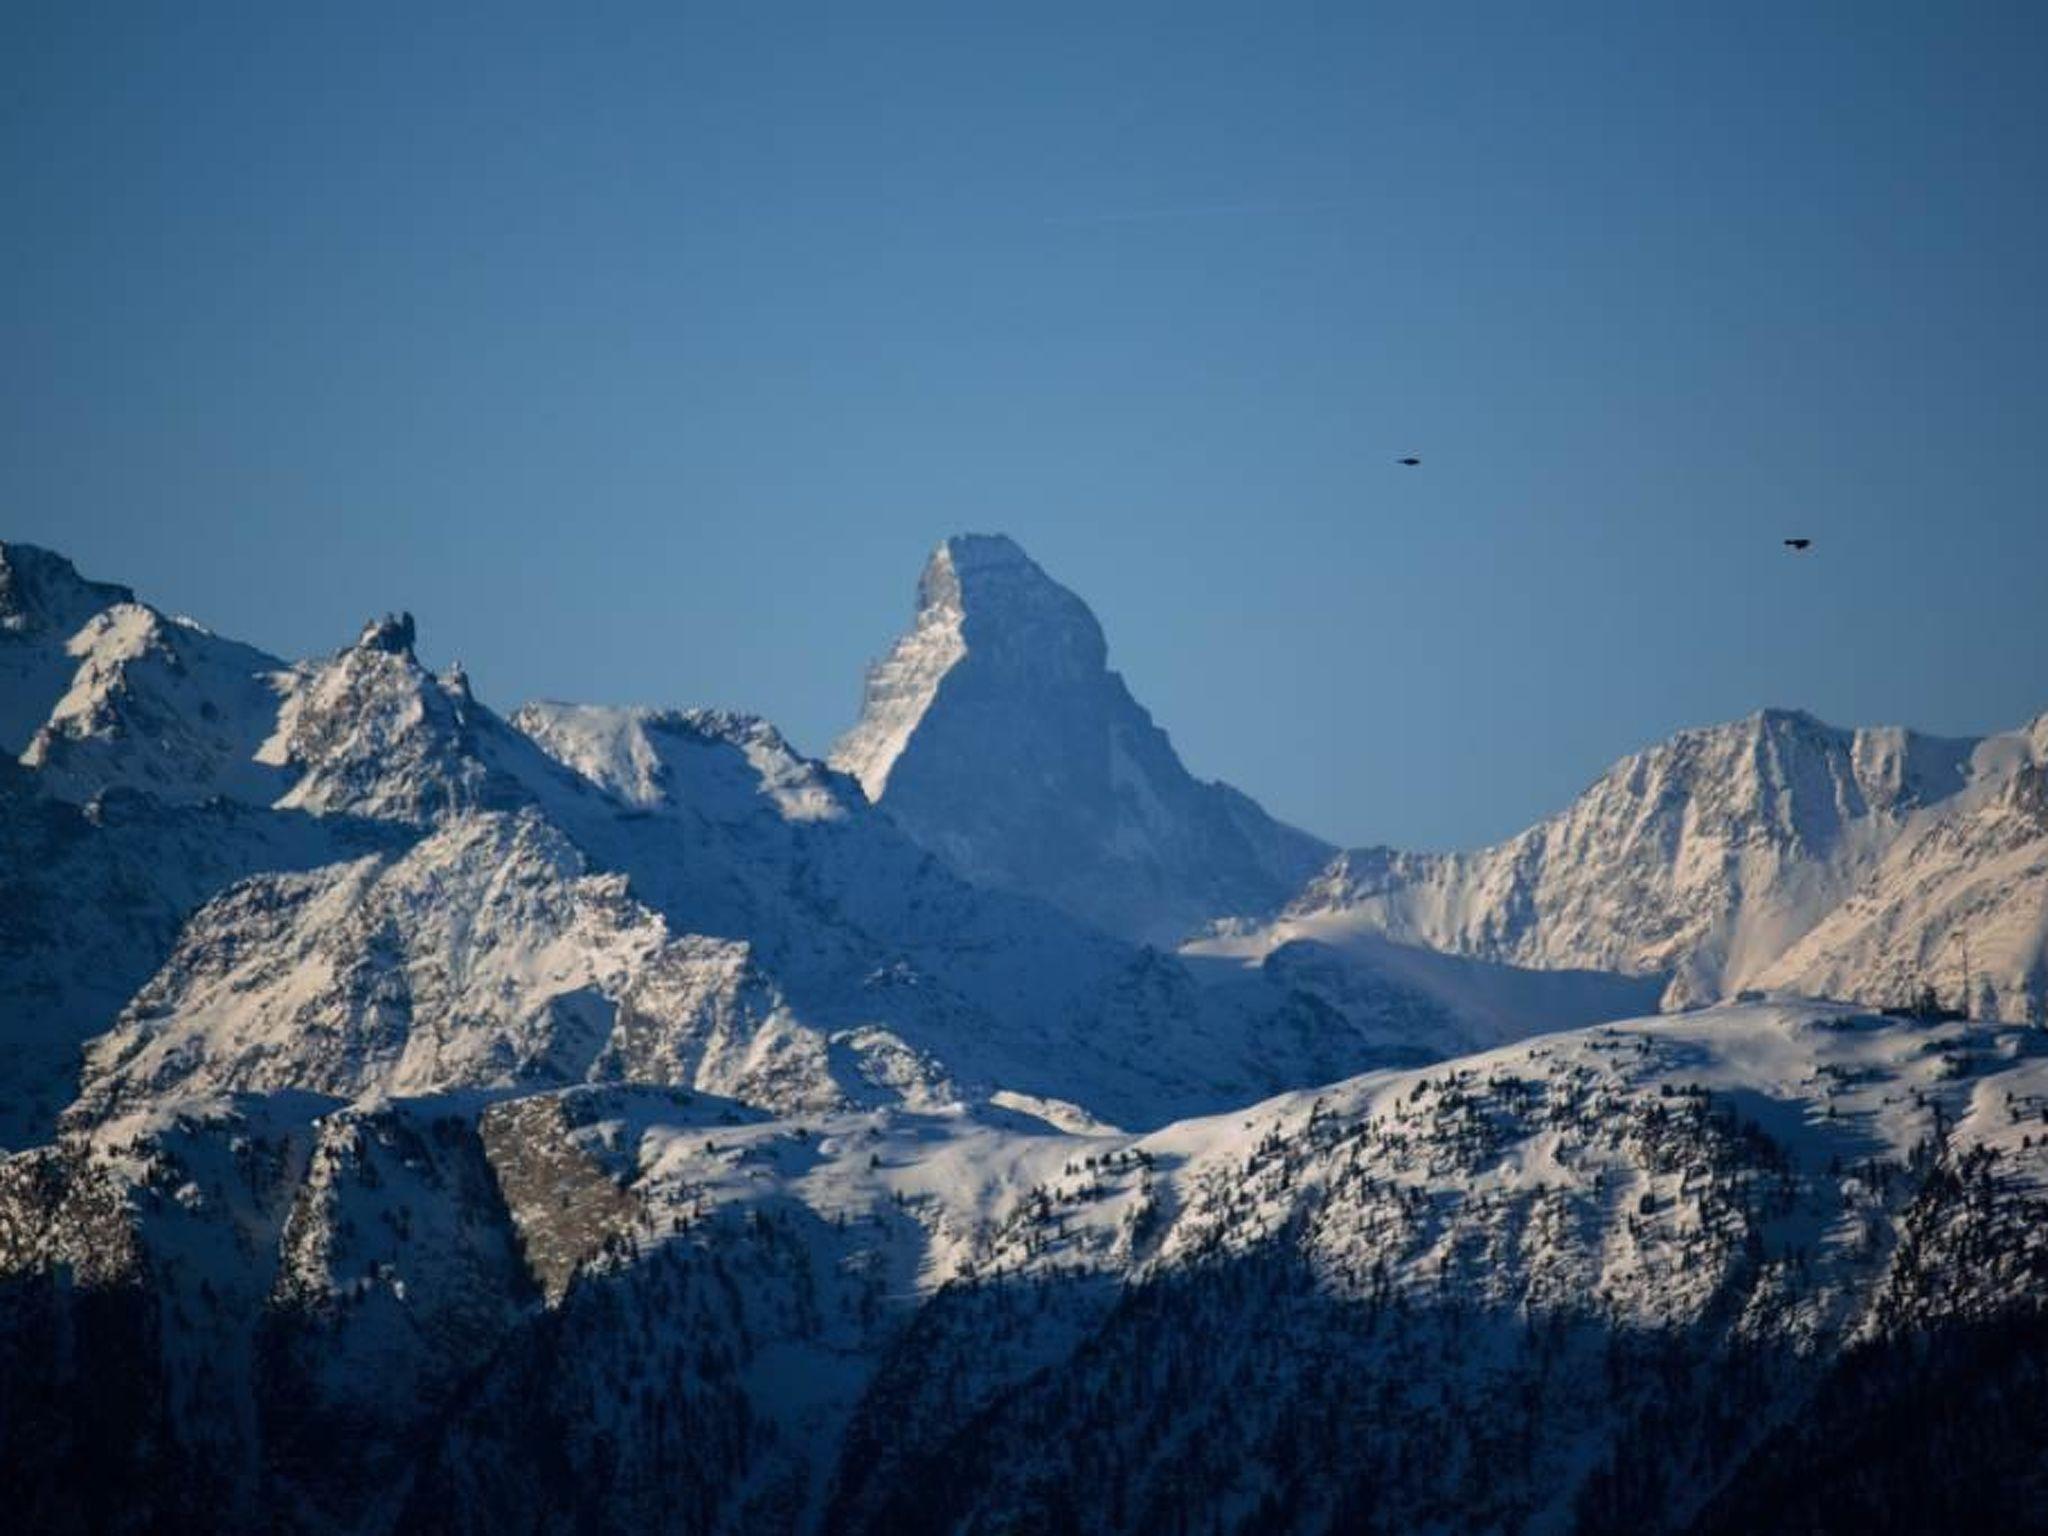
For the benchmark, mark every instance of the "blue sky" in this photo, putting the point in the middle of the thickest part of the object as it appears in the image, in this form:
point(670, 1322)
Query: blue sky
point(644, 351)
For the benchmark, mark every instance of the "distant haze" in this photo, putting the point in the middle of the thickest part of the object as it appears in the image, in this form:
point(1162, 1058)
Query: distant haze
point(650, 351)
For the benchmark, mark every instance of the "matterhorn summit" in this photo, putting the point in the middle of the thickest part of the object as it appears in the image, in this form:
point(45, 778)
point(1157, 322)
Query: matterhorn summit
point(997, 735)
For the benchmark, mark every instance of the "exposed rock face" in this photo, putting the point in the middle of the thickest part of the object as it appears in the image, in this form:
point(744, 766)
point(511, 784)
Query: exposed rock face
point(996, 734)
point(394, 634)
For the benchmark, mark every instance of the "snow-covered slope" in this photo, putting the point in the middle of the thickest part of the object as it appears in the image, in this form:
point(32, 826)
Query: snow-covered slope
point(43, 603)
point(93, 899)
point(1591, 1280)
point(730, 832)
point(996, 734)
point(1573, 1284)
point(161, 705)
point(484, 955)
point(1708, 858)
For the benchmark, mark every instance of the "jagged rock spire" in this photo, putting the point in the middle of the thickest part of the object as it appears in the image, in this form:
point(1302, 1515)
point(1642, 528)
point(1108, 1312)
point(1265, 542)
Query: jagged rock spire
point(394, 633)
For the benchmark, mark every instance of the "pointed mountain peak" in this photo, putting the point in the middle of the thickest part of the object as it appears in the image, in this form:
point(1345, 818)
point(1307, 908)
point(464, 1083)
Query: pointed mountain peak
point(40, 590)
point(980, 595)
point(985, 551)
point(371, 732)
point(1004, 603)
point(997, 736)
point(1771, 723)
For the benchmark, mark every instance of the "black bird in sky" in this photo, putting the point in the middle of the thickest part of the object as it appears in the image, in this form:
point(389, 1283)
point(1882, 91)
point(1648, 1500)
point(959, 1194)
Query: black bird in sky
point(1797, 544)
point(1411, 463)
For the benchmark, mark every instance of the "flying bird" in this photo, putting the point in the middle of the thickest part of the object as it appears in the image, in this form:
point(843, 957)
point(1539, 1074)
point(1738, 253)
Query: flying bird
point(1798, 544)
point(1411, 463)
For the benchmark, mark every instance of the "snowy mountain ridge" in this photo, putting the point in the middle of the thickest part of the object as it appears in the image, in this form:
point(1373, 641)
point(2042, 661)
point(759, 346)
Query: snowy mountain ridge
point(608, 1117)
point(410, 894)
point(1771, 852)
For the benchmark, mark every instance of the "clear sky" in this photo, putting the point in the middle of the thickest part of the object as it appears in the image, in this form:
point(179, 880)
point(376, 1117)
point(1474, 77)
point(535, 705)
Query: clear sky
point(644, 351)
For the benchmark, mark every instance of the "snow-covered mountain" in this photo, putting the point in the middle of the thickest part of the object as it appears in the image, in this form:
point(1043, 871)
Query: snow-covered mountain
point(347, 875)
point(996, 735)
point(1615, 1280)
point(603, 1118)
point(1774, 851)
point(93, 899)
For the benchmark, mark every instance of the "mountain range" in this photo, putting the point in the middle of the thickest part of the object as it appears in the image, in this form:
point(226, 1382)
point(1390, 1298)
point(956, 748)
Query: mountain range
point(427, 1118)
